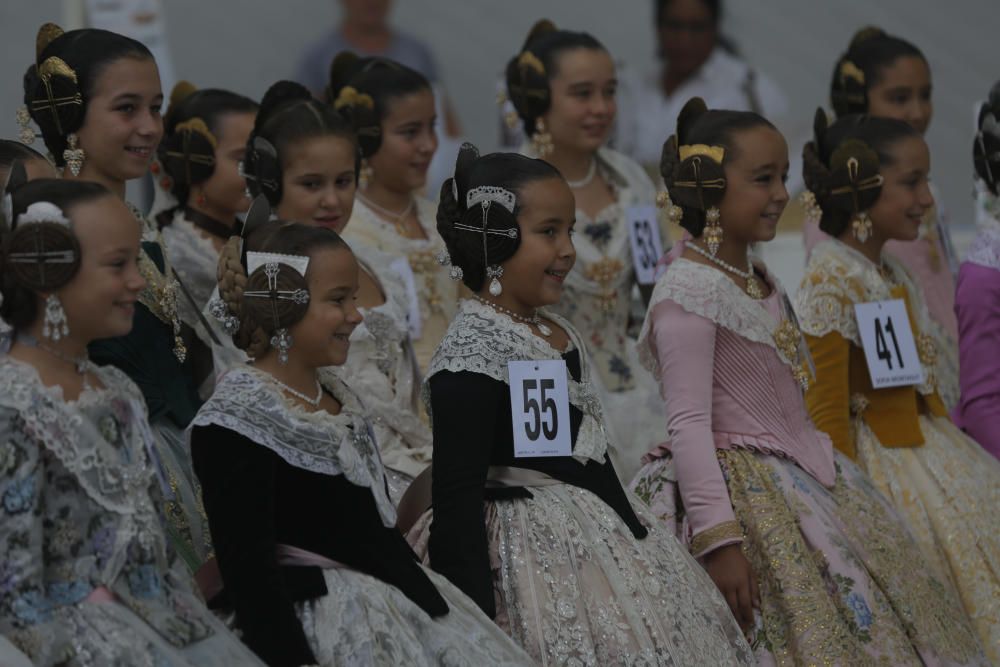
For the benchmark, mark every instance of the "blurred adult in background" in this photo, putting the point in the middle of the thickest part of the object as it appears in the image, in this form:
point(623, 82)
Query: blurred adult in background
point(364, 29)
point(695, 60)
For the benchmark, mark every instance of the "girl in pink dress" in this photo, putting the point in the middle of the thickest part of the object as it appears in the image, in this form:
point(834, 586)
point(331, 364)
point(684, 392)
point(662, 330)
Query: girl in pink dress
point(812, 559)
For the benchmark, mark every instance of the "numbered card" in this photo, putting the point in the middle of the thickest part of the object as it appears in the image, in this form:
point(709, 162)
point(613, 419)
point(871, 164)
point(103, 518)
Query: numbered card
point(647, 246)
point(539, 401)
point(890, 349)
point(402, 268)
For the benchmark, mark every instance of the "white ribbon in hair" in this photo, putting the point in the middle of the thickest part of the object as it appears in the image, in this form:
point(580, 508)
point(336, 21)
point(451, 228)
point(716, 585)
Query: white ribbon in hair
point(43, 211)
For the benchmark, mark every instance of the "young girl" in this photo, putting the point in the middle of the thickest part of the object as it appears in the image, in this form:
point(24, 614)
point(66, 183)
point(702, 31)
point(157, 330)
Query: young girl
point(310, 150)
point(870, 178)
point(977, 297)
point(886, 76)
point(563, 87)
point(96, 97)
point(296, 495)
point(88, 575)
point(801, 545)
point(391, 108)
point(204, 140)
point(550, 546)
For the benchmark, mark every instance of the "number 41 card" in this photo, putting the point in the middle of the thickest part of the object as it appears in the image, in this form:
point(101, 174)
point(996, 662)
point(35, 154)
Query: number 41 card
point(890, 349)
point(539, 401)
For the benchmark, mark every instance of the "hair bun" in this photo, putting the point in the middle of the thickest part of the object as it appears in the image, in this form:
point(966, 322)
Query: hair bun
point(670, 160)
point(690, 112)
point(855, 183)
point(47, 33)
point(278, 95)
point(182, 90)
point(49, 237)
point(986, 146)
point(542, 27)
point(262, 170)
point(342, 69)
point(865, 34)
point(52, 95)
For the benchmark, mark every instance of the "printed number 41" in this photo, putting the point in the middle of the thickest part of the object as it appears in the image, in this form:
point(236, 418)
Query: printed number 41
point(881, 347)
point(535, 425)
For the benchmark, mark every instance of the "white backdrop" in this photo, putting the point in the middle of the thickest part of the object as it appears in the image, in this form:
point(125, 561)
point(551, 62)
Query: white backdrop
point(246, 45)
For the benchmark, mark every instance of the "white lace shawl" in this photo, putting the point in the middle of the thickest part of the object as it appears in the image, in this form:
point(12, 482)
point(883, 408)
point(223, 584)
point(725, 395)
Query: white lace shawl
point(248, 403)
point(482, 340)
point(837, 277)
point(985, 248)
point(709, 293)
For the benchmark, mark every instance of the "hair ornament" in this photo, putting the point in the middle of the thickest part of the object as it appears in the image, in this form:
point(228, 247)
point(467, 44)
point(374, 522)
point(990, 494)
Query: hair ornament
point(528, 60)
point(43, 211)
point(848, 70)
point(56, 67)
point(255, 260)
point(46, 35)
point(715, 153)
point(198, 126)
point(350, 97)
point(485, 193)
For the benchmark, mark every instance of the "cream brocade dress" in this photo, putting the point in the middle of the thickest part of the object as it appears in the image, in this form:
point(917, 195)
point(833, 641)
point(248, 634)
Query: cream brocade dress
point(948, 488)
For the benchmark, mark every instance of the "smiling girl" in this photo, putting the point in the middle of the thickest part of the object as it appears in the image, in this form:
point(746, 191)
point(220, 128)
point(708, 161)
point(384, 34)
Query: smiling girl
point(296, 495)
point(563, 86)
point(872, 172)
point(89, 577)
point(391, 108)
point(747, 481)
point(552, 547)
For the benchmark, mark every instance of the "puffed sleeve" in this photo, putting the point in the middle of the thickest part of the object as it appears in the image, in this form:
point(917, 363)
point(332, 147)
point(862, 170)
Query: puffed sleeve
point(685, 347)
point(977, 306)
point(464, 407)
point(828, 399)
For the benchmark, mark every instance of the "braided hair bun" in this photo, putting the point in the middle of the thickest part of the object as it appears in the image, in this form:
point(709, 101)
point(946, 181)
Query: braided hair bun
point(986, 147)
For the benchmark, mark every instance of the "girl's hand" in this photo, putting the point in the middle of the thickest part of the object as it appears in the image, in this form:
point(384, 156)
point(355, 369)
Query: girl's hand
point(731, 572)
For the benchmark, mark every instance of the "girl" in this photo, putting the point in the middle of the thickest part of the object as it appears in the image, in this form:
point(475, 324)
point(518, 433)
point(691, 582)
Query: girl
point(799, 542)
point(391, 108)
point(310, 150)
point(96, 97)
point(204, 140)
point(977, 298)
point(869, 176)
point(550, 546)
point(886, 76)
point(563, 87)
point(295, 491)
point(88, 575)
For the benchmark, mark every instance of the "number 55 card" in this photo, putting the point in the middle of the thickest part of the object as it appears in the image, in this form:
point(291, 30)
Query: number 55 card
point(890, 349)
point(539, 401)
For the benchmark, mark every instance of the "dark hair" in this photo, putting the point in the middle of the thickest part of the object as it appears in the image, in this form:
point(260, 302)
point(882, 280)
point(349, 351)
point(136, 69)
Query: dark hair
point(510, 171)
point(870, 52)
point(866, 139)
point(22, 281)
point(87, 53)
point(687, 180)
point(986, 147)
point(529, 72)
point(288, 114)
point(382, 80)
point(176, 149)
point(260, 318)
point(714, 8)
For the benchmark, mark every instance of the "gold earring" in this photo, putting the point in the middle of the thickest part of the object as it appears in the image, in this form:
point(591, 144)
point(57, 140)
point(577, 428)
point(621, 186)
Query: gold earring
point(366, 174)
point(541, 140)
point(861, 227)
point(25, 133)
point(713, 230)
point(73, 155)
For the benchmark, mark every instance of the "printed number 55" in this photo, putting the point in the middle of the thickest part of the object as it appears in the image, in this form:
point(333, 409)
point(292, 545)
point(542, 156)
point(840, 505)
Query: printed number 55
point(535, 425)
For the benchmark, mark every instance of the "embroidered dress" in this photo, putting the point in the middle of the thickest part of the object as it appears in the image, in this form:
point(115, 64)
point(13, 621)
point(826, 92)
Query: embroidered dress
point(943, 484)
point(310, 558)
point(977, 306)
point(568, 563)
point(834, 566)
point(597, 299)
point(88, 576)
point(437, 294)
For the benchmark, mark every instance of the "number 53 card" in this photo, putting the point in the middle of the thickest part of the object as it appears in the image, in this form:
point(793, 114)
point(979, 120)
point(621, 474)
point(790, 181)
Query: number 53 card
point(539, 401)
point(890, 349)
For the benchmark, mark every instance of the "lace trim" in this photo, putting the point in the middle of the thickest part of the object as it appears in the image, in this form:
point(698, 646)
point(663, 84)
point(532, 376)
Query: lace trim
point(247, 403)
point(728, 530)
point(985, 248)
point(482, 340)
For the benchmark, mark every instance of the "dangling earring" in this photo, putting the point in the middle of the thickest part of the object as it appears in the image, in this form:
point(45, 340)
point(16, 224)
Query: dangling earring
point(73, 156)
point(25, 133)
point(861, 227)
point(54, 326)
point(366, 174)
point(494, 273)
point(713, 230)
point(282, 341)
point(541, 140)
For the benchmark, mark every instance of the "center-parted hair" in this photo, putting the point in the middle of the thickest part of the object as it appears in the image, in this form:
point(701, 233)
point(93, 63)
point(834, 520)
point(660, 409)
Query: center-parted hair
point(510, 171)
point(861, 67)
point(528, 73)
point(288, 115)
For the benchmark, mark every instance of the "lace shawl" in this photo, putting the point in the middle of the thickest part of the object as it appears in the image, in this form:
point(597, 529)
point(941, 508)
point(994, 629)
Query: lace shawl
point(248, 403)
point(985, 248)
point(837, 277)
point(709, 293)
point(482, 340)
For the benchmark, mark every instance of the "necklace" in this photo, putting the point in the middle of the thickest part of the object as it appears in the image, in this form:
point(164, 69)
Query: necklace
point(585, 181)
point(533, 320)
point(314, 402)
point(751, 284)
point(82, 364)
point(393, 217)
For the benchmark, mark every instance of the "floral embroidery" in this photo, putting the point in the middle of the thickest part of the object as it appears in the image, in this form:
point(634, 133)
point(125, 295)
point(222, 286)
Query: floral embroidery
point(19, 495)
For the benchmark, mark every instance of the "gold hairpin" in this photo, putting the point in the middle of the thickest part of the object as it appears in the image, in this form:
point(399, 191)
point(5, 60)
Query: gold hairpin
point(531, 61)
point(198, 126)
point(350, 97)
point(714, 153)
point(849, 70)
